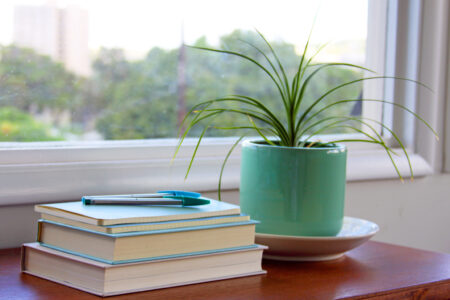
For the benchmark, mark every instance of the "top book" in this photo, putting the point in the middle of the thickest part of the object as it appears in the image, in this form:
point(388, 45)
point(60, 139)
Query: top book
point(115, 214)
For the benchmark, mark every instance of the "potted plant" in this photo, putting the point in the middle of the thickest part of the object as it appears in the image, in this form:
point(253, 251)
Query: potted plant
point(290, 181)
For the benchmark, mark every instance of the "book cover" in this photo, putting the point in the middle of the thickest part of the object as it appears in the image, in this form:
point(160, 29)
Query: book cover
point(122, 214)
point(106, 280)
point(130, 227)
point(131, 246)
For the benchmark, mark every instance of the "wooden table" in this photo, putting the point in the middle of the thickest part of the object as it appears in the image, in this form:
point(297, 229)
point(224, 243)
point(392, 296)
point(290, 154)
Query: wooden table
point(372, 271)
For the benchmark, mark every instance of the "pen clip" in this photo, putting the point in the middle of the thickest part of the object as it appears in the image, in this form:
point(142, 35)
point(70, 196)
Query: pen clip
point(181, 193)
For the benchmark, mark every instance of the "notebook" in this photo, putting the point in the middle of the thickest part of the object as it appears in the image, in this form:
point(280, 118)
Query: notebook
point(122, 214)
point(130, 227)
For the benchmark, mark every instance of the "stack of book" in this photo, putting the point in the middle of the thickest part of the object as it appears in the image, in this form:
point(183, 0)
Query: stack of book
point(111, 249)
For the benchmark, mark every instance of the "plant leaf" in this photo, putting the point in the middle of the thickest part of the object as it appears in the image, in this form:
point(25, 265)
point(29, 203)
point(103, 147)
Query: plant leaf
point(321, 67)
point(373, 140)
point(280, 65)
point(260, 133)
point(279, 126)
point(273, 68)
point(372, 100)
point(317, 101)
point(248, 59)
point(195, 151)
point(186, 131)
point(219, 188)
point(246, 127)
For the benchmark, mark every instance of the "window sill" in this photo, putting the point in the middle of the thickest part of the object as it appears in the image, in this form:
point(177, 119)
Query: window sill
point(375, 164)
point(51, 173)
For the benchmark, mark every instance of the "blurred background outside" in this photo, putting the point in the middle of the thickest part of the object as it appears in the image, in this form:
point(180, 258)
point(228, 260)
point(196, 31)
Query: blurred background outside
point(118, 70)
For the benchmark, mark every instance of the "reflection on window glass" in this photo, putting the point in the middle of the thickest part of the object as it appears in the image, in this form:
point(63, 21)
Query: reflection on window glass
point(108, 70)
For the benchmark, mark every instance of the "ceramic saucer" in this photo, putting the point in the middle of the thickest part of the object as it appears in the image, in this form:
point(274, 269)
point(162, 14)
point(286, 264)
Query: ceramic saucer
point(354, 232)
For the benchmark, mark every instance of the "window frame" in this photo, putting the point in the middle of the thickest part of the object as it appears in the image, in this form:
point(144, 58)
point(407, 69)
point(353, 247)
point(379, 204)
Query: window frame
point(60, 171)
point(421, 52)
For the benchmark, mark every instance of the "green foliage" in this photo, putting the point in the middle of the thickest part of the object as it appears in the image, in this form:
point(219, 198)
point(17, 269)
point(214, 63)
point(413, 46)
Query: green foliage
point(138, 99)
point(306, 108)
point(37, 85)
point(17, 126)
point(141, 103)
point(33, 82)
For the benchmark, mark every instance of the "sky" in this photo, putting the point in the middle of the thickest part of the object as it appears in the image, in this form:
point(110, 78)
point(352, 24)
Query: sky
point(139, 25)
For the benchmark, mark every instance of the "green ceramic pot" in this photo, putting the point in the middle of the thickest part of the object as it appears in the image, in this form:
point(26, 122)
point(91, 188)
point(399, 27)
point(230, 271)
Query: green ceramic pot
point(294, 190)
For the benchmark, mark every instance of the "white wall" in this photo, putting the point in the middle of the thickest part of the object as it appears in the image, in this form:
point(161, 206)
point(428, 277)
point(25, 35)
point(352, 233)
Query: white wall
point(415, 214)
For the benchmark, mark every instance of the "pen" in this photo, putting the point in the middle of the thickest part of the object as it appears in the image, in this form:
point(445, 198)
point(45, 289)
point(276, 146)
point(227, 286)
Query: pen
point(166, 200)
point(159, 194)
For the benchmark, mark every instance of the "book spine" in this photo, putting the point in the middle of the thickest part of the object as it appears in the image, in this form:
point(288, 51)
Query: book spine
point(22, 258)
point(39, 232)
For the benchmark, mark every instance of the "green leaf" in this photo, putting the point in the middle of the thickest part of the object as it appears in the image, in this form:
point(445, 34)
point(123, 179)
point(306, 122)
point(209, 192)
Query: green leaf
point(260, 133)
point(277, 124)
point(254, 114)
point(371, 100)
point(246, 127)
point(191, 124)
point(379, 141)
point(195, 151)
point(219, 188)
point(285, 80)
point(321, 67)
point(273, 68)
point(317, 101)
point(248, 59)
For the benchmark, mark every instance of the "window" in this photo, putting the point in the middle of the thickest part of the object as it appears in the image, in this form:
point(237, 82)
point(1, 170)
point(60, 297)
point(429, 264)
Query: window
point(73, 72)
point(53, 170)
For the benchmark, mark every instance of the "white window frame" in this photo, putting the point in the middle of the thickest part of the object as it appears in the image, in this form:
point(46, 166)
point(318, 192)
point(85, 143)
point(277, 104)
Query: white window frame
point(421, 52)
point(56, 171)
point(433, 64)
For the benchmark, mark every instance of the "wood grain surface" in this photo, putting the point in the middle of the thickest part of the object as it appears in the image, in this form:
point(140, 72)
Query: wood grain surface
point(372, 271)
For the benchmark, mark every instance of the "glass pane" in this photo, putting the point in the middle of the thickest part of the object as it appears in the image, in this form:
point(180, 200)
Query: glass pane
point(108, 70)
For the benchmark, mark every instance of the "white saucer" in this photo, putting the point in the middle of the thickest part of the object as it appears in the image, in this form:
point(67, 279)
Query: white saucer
point(354, 232)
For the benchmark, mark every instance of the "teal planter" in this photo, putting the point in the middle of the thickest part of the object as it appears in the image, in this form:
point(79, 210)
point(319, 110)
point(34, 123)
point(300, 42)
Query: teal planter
point(294, 191)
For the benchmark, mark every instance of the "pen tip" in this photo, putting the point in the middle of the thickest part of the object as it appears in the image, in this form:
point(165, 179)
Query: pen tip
point(86, 201)
point(195, 201)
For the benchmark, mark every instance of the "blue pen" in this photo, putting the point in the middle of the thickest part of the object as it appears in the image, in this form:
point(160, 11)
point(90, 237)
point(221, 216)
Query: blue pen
point(171, 197)
point(159, 194)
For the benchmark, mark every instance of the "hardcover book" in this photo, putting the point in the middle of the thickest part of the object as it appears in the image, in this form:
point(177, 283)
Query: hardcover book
point(106, 280)
point(135, 246)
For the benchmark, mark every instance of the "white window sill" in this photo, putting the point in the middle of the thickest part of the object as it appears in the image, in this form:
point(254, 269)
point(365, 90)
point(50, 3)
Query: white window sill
point(46, 172)
point(375, 164)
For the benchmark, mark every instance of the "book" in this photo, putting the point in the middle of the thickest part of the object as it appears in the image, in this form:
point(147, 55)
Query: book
point(119, 228)
point(114, 214)
point(134, 246)
point(106, 280)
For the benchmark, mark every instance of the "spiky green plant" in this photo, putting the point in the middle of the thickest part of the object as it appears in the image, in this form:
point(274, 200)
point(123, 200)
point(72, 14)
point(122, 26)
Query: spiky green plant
point(297, 127)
